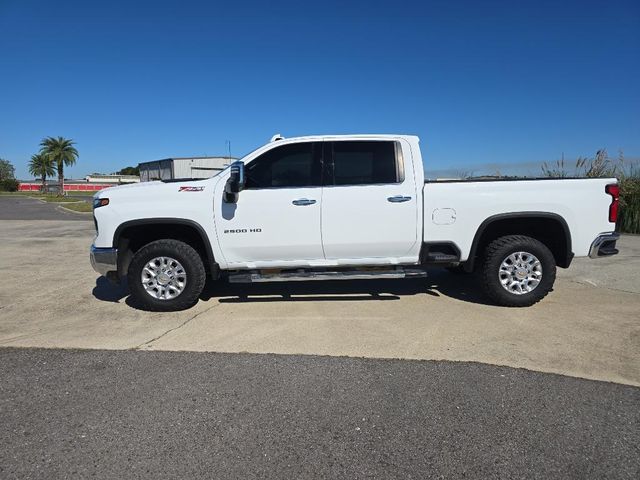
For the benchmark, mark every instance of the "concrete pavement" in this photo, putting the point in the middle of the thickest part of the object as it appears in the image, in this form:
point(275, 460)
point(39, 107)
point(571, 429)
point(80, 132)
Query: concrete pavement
point(620, 272)
point(55, 300)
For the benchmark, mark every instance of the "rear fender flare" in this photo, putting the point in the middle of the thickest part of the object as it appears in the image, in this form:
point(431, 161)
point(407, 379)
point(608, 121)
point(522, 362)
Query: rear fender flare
point(469, 264)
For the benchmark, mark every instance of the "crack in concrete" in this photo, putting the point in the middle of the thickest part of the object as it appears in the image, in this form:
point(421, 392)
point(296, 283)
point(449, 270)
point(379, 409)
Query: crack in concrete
point(590, 284)
point(188, 320)
point(6, 341)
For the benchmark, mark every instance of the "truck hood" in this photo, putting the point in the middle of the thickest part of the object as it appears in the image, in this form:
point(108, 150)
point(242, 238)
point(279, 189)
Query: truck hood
point(151, 199)
point(145, 189)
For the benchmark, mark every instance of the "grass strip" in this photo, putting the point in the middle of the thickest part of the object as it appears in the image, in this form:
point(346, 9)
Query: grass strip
point(83, 207)
point(56, 199)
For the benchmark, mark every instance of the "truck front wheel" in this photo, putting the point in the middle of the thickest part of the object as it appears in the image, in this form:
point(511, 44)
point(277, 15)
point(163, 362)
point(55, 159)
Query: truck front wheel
point(166, 275)
point(518, 271)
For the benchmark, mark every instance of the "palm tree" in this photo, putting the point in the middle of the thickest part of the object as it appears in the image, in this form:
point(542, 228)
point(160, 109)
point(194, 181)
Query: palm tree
point(61, 152)
point(41, 166)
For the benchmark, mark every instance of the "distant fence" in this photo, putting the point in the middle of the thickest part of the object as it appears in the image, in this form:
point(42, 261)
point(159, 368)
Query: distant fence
point(68, 187)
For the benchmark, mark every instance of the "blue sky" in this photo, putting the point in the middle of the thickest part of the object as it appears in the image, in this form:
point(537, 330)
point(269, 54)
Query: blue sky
point(482, 83)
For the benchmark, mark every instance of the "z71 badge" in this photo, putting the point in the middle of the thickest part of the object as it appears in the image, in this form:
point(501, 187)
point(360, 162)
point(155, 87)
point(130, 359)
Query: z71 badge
point(191, 189)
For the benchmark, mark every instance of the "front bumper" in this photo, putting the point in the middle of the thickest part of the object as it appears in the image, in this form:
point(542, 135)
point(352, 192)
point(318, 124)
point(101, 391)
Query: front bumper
point(604, 245)
point(104, 260)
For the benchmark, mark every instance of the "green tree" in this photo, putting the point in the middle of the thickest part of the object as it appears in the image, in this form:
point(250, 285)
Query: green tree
point(7, 170)
point(61, 152)
point(41, 166)
point(129, 171)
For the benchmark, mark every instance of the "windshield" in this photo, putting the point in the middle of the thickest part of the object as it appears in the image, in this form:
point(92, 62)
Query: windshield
point(241, 159)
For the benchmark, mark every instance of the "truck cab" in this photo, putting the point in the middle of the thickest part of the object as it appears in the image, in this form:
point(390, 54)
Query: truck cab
point(324, 202)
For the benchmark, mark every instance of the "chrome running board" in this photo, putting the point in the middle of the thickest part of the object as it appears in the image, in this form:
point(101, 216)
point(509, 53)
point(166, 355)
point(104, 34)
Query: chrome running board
point(299, 275)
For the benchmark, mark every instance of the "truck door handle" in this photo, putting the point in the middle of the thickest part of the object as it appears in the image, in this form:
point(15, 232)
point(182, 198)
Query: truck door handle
point(303, 201)
point(399, 199)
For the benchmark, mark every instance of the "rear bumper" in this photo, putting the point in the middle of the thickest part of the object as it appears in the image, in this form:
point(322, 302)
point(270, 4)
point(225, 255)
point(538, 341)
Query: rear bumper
point(104, 260)
point(604, 245)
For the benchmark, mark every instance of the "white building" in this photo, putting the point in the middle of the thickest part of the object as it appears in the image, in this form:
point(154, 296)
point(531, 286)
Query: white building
point(187, 167)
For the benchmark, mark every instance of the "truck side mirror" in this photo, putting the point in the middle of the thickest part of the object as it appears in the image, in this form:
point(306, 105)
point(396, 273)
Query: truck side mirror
point(235, 183)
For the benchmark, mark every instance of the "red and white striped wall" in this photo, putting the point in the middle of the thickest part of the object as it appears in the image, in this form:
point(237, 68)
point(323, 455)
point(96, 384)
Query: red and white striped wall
point(68, 187)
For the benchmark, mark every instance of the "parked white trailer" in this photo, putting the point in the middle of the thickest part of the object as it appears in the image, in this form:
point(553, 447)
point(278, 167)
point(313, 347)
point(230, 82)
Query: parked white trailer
point(347, 207)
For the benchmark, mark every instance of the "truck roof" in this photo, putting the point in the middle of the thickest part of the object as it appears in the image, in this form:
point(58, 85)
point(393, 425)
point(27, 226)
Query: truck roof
point(354, 136)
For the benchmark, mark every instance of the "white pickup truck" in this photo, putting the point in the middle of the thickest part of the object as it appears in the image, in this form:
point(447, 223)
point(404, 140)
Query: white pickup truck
point(346, 207)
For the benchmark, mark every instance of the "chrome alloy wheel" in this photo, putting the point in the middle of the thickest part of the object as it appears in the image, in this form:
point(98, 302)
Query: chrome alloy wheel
point(520, 273)
point(164, 278)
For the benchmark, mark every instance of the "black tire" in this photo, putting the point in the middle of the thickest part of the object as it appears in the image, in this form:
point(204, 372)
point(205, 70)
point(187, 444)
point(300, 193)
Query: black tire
point(190, 261)
point(498, 251)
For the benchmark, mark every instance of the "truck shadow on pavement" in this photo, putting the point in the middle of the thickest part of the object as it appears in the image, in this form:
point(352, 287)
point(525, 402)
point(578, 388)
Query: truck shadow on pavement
point(109, 292)
point(440, 282)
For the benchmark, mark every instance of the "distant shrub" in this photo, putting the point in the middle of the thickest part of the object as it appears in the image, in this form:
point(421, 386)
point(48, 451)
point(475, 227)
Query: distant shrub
point(629, 221)
point(9, 185)
point(555, 170)
point(604, 166)
point(597, 167)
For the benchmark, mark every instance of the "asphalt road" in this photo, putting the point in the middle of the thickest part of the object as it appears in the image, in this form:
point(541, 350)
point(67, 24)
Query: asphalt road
point(107, 414)
point(25, 208)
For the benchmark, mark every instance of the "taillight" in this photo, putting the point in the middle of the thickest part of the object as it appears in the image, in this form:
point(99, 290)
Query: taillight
point(613, 189)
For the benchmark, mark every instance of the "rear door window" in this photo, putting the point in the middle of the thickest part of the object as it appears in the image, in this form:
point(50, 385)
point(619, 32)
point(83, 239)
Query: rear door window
point(364, 163)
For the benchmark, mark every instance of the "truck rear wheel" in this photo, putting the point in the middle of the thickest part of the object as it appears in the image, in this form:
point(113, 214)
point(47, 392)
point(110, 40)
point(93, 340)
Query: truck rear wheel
point(518, 271)
point(166, 275)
